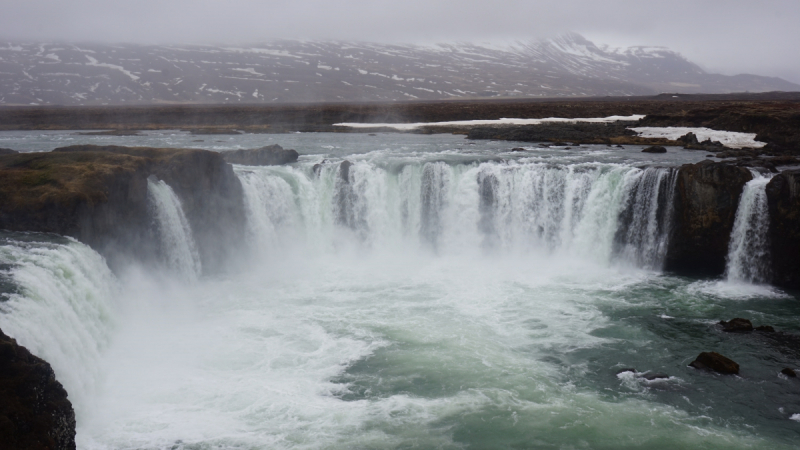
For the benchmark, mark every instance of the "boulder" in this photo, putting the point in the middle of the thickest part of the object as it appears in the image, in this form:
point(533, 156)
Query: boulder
point(34, 410)
point(655, 376)
point(655, 149)
point(765, 329)
point(706, 198)
point(783, 200)
point(271, 155)
point(690, 141)
point(789, 373)
point(737, 325)
point(715, 362)
point(517, 149)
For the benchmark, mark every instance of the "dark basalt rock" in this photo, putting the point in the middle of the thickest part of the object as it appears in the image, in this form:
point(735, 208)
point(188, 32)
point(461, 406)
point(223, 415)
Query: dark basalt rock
point(715, 362)
point(737, 325)
point(7, 151)
point(690, 142)
point(655, 376)
point(789, 373)
point(99, 196)
point(783, 200)
point(655, 149)
point(765, 329)
point(271, 155)
point(35, 413)
point(706, 198)
point(517, 149)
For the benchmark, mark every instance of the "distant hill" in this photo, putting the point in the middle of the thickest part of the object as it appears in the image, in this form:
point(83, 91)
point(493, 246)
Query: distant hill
point(308, 71)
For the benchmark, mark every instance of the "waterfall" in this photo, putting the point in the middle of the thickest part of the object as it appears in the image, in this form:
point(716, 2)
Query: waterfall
point(748, 251)
point(647, 218)
point(55, 300)
point(600, 211)
point(178, 248)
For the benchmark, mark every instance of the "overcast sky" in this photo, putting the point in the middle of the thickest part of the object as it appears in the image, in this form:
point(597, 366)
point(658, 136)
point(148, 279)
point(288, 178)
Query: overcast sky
point(725, 36)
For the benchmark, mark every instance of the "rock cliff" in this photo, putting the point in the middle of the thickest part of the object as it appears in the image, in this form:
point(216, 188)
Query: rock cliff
point(35, 413)
point(706, 198)
point(783, 198)
point(98, 195)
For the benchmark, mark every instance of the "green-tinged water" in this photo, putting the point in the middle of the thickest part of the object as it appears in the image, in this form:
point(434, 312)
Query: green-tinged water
point(434, 298)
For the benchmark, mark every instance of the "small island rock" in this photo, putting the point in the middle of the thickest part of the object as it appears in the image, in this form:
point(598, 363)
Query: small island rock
point(716, 362)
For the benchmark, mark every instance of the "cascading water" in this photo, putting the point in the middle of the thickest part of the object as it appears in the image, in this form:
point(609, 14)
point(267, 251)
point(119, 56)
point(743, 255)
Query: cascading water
point(178, 248)
point(748, 251)
point(595, 210)
point(58, 306)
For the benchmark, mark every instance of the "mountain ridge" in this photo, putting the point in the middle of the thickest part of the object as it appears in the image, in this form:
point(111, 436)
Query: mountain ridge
point(334, 71)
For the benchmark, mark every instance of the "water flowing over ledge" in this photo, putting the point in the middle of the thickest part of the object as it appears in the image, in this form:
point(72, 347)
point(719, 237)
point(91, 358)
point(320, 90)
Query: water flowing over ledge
point(600, 211)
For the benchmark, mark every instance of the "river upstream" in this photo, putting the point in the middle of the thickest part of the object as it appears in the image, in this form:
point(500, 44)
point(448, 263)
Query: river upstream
point(433, 293)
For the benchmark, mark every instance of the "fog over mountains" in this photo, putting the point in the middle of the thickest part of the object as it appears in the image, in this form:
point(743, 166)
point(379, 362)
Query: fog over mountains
point(314, 71)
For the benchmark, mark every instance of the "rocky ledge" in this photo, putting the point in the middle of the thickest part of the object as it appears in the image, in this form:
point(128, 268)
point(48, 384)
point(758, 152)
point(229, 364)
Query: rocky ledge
point(99, 196)
point(271, 155)
point(35, 413)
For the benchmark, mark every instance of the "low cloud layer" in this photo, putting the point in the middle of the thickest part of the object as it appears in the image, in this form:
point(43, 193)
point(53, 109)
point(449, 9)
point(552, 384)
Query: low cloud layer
point(723, 36)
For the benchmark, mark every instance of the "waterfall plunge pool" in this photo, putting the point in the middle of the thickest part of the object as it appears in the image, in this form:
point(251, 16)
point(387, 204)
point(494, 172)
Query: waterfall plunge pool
point(440, 298)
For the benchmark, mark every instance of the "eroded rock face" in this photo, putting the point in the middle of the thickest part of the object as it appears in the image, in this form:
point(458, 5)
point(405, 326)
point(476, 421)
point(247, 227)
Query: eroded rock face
point(706, 198)
point(35, 413)
point(98, 195)
point(271, 155)
point(715, 362)
point(783, 199)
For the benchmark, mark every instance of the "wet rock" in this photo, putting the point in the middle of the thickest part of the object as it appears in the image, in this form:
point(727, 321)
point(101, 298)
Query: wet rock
point(765, 329)
point(34, 410)
point(344, 170)
point(784, 160)
point(655, 376)
point(737, 325)
point(789, 373)
point(517, 149)
point(271, 155)
point(706, 198)
point(783, 200)
point(99, 196)
point(715, 362)
point(7, 151)
point(655, 149)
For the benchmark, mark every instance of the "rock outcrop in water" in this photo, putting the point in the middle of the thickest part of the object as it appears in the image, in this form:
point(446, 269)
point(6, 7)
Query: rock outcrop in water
point(706, 198)
point(98, 195)
point(715, 362)
point(35, 413)
point(271, 155)
point(783, 200)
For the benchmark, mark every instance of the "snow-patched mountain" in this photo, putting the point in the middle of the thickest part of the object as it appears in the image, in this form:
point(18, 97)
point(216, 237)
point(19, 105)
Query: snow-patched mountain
point(302, 71)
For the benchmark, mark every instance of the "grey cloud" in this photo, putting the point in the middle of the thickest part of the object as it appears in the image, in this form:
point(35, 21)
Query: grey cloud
point(723, 36)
